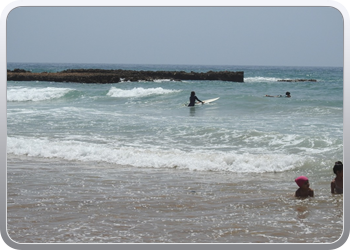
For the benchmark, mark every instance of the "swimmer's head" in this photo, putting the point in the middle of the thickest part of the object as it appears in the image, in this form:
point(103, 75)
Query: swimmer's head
point(301, 180)
point(338, 166)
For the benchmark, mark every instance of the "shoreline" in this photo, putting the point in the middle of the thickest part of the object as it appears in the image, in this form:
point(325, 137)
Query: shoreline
point(115, 76)
point(121, 204)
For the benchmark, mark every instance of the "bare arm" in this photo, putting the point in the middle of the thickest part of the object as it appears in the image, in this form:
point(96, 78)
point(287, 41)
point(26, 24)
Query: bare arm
point(311, 193)
point(333, 187)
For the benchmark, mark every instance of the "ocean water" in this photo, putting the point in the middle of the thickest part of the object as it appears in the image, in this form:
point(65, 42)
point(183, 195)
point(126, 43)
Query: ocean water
point(132, 157)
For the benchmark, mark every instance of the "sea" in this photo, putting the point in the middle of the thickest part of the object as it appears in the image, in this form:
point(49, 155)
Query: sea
point(130, 162)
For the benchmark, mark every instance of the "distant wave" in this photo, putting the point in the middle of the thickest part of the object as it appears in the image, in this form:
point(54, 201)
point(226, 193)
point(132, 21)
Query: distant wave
point(139, 92)
point(261, 79)
point(17, 94)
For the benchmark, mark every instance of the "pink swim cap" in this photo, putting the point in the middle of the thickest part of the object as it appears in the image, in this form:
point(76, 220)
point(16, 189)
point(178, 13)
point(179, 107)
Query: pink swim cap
point(301, 180)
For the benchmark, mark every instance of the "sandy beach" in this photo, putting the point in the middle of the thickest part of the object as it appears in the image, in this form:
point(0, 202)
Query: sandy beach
point(70, 202)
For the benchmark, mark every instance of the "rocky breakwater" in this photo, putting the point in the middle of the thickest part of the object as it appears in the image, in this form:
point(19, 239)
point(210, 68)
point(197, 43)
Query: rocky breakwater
point(115, 76)
point(297, 80)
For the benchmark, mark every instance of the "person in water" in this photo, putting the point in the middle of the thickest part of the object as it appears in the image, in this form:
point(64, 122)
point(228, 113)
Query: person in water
point(287, 95)
point(337, 183)
point(304, 187)
point(193, 99)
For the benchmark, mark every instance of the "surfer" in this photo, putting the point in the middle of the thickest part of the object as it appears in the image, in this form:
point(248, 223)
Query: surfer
point(287, 95)
point(193, 99)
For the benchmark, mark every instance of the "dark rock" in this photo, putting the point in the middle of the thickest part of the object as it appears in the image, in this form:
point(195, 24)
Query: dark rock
point(19, 71)
point(297, 80)
point(114, 76)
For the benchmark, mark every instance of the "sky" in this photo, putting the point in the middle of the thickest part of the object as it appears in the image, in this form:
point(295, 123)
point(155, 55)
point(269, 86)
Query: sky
point(262, 36)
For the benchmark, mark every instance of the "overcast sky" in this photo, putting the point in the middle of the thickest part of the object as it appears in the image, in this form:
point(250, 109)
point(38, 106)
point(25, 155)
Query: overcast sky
point(273, 36)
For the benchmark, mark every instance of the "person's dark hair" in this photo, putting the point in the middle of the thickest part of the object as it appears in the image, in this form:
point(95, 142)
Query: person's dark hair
point(193, 93)
point(338, 166)
point(287, 93)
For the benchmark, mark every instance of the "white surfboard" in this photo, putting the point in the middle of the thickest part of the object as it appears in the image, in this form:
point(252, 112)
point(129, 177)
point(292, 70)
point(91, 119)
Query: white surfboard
point(208, 101)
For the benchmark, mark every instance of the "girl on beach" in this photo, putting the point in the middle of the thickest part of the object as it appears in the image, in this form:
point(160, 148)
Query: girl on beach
point(337, 183)
point(304, 187)
point(193, 99)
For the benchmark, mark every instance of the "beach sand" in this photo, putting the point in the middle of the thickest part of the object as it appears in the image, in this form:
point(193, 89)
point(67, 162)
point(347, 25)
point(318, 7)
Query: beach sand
point(57, 201)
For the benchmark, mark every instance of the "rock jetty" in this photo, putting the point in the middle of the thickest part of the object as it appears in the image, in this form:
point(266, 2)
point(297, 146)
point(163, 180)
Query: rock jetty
point(297, 80)
point(115, 76)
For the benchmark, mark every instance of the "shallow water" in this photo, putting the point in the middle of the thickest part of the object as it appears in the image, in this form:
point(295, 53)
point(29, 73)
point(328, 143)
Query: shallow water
point(60, 201)
point(130, 162)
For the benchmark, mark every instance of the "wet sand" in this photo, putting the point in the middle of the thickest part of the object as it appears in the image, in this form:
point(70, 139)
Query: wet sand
point(55, 201)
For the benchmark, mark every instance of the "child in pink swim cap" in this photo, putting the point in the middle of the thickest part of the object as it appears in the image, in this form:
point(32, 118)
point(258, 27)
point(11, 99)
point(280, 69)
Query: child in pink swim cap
point(304, 187)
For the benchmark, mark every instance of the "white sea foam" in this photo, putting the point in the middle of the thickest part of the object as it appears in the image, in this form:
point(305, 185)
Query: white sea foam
point(139, 92)
point(162, 80)
point(16, 94)
point(260, 79)
point(152, 157)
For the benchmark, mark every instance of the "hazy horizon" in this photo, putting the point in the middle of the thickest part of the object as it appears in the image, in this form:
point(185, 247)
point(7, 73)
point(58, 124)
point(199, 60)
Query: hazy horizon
point(242, 36)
